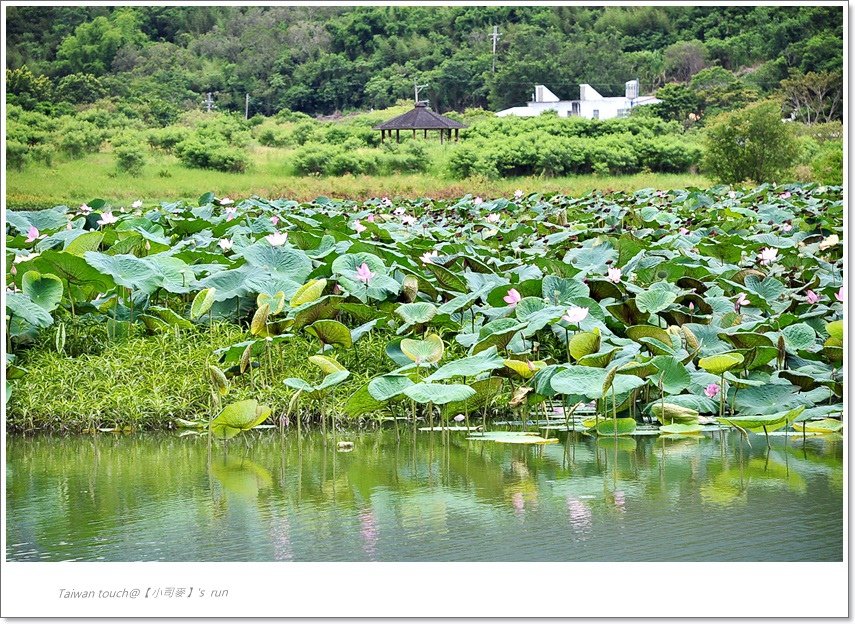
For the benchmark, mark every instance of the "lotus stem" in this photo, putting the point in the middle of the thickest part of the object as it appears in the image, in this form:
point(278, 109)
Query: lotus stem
point(614, 415)
point(721, 397)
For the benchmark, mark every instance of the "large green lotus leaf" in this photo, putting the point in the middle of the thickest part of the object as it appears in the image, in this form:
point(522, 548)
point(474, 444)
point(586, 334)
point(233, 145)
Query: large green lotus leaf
point(269, 284)
point(21, 306)
point(507, 437)
point(327, 364)
point(361, 402)
point(835, 329)
point(387, 387)
point(591, 257)
point(672, 374)
point(232, 354)
point(637, 332)
point(826, 425)
point(446, 278)
point(668, 413)
point(154, 325)
point(653, 301)
point(237, 417)
point(438, 394)
point(558, 290)
point(275, 302)
point(600, 359)
point(623, 426)
point(176, 276)
point(419, 312)
point(799, 336)
point(308, 292)
point(393, 351)
point(170, 317)
point(228, 284)
point(485, 391)
point(347, 264)
point(330, 380)
point(584, 343)
point(460, 303)
point(429, 350)
point(642, 369)
point(770, 398)
point(528, 306)
point(754, 422)
point(717, 364)
point(469, 366)
point(765, 291)
point(43, 220)
point(281, 261)
point(126, 270)
point(580, 381)
point(742, 382)
point(323, 308)
point(73, 270)
point(682, 429)
point(526, 288)
point(331, 332)
point(90, 241)
point(202, 302)
point(748, 340)
point(44, 289)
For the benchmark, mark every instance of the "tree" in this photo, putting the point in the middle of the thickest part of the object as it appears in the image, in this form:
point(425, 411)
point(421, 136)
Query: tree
point(94, 44)
point(750, 144)
point(678, 103)
point(814, 97)
point(26, 89)
point(719, 90)
point(684, 59)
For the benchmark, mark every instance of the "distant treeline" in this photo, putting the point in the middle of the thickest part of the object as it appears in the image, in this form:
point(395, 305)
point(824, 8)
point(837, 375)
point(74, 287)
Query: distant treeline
point(161, 61)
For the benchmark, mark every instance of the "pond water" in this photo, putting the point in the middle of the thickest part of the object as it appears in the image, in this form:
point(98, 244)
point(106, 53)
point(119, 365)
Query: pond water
point(427, 497)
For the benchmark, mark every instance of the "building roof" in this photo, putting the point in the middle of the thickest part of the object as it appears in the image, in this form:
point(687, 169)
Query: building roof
point(420, 118)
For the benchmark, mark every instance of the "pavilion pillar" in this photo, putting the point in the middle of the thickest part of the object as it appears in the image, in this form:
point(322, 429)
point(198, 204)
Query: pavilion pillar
point(456, 134)
point(425, 132)
point(441, 135)
point(414, 133)
point(382, 136)
point(398, 136)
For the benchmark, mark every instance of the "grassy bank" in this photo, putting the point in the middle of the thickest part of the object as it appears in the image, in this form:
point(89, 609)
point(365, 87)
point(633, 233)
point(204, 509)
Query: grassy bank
point(76, 181)
point(148, 381)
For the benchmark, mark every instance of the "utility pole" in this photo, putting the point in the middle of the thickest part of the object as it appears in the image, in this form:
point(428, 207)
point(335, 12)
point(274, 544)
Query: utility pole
point(246, 109)
point(418, 88)
point(495, 37)
point(209, 102)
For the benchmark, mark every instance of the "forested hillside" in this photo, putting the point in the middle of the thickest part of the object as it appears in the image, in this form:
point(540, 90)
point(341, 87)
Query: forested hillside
point(160, 61)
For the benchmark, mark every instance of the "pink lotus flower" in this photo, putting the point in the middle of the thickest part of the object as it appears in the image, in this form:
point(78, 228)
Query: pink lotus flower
point(397, 211)
point(812, 297)
point(359, 227)
point(137, 204)
point(742, 300)
point(615, 275)
point(32, 234)
point(364, 274)
point(231, 213)
point(370, 218)
point(386, 202)
point(768, 255)
point(786, 195)
point(428, 256)
point(277, 239)
point(225, 201)
point(84, 209)
point(225, 244)
point(13, 270)
point(274, 220)
point(518, 194)
point(107, 218)
point(459, 418)
point(712, 390)
point(839, 295)
point(787, 227)
point(493, 217)
point(477, 201)
point(513, 297)
point(408, 220)
point(575, 314)
point(684, 231)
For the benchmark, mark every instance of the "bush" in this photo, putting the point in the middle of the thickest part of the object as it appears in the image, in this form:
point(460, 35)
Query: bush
point(750, 144)
point(273, 136)
point(167, 138)
point(130, 153)
point(355, 163)
point(312, 159)
point(202, 153)
point(827, 167)
point(77, 138)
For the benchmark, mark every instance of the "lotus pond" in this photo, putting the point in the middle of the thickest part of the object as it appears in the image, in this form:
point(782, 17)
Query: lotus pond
point(688, 307)
point(425, 497)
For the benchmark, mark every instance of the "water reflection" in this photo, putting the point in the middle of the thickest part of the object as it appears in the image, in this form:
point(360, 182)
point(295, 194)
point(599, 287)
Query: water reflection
point(423, 497)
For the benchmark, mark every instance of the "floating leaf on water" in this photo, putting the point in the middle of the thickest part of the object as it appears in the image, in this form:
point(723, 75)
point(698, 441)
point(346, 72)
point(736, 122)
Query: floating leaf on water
point(681, 428)
point(669, 413)
point(623, 426)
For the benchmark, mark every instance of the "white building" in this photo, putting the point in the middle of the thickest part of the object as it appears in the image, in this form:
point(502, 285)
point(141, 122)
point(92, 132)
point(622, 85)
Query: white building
point(590, 104)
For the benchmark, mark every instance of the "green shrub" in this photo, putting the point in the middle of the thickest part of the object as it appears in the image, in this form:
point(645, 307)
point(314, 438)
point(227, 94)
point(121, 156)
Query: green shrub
point(461, 162)
point(355, 163)
point(17, 154)
point(274, 136)
point(827, 167)
point(77, 138)
point(750, 144)
point(167, 138)
point(211, 153)
point(312, 159)
point(130, 153)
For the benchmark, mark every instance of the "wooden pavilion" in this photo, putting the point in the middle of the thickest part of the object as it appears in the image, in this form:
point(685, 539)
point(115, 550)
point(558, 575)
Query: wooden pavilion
point(420, 118)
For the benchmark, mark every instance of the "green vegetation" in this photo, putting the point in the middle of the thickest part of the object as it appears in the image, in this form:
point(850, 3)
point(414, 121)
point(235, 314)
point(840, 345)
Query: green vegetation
point(598, 311)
